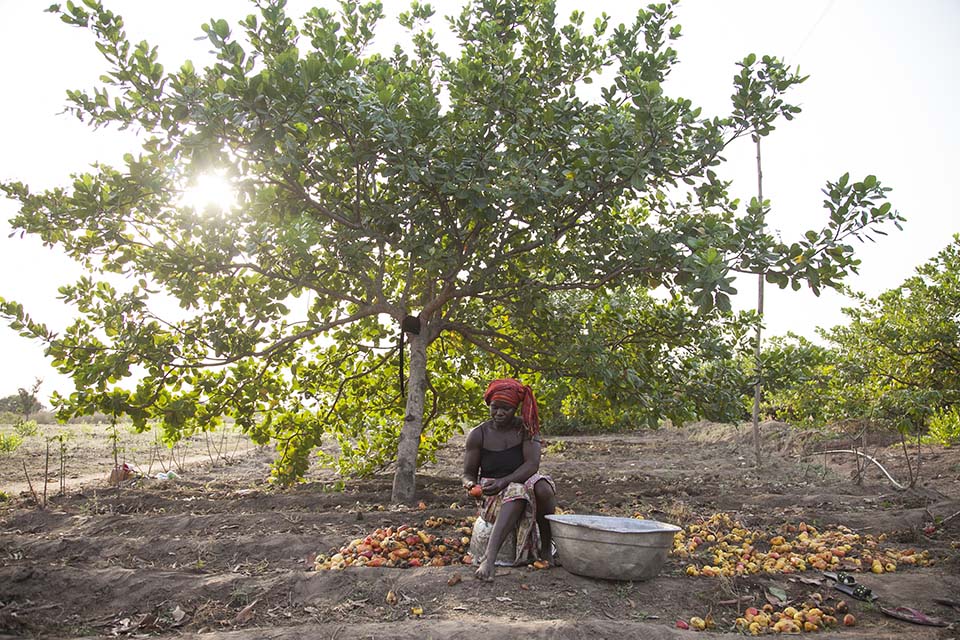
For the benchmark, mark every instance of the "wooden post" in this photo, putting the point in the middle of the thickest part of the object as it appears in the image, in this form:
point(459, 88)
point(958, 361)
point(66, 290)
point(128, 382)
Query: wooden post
point(758, 371)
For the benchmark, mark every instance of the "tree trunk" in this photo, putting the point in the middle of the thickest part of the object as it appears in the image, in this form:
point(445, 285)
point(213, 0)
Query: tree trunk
point(405, 477)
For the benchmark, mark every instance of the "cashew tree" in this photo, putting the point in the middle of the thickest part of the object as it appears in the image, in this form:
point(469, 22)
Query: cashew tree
point(441, 195)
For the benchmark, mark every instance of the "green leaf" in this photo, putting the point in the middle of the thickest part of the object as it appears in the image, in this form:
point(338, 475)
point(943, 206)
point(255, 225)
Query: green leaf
point(221, 28)
point(776, 596)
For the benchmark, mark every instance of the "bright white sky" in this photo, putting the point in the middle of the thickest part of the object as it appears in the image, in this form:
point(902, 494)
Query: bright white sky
point(882, 98)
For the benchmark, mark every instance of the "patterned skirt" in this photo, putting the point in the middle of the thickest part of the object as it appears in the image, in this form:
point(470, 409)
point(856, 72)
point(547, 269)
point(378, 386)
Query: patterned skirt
point(522, 545)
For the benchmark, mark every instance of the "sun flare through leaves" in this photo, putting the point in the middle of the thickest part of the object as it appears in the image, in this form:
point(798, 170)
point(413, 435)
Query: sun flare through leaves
point(212, 191)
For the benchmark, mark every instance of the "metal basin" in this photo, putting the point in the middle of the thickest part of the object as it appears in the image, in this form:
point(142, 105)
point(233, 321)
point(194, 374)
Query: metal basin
point(612, 548)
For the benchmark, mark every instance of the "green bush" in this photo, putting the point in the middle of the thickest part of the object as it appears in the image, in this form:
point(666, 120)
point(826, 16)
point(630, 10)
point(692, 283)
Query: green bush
point(26, 428)
point(9, 442)
point(944, 426)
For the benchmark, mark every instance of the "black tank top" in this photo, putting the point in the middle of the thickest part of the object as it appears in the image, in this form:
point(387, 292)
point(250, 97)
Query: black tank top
point(499, 464)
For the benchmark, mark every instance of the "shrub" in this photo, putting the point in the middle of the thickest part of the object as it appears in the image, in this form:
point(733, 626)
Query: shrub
point(9, 442)
point(556, 446)
point(26, 428)
point(573, 425)
point(945, 426)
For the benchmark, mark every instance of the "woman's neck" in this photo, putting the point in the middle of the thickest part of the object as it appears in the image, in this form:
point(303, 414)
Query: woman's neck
point(512, 425)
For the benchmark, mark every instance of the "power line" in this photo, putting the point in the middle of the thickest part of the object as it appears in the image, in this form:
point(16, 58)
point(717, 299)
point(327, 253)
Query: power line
point(816, 24)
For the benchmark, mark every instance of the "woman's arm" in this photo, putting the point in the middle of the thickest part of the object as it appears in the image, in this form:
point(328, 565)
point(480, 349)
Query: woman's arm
point(471, 458)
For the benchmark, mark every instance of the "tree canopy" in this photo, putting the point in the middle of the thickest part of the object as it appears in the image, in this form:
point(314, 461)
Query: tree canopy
point(896, 362)
point(466, 191)
point(904, 345)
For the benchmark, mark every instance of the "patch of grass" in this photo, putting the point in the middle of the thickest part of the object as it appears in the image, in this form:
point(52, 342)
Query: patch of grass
point(556, 447)
point(335, 487)
point(624, 589)
point(679, 512)
point(241, 596)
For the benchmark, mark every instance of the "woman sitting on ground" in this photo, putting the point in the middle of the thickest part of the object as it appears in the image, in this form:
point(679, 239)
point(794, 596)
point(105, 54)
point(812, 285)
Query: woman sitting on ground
point(503, 456)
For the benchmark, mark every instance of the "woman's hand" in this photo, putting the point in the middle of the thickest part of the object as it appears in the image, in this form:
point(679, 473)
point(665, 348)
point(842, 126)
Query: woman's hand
point(493, 486)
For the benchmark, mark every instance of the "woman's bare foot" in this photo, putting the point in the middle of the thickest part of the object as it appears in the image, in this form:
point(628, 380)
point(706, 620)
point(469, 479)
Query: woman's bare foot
point(486, 570)
point(548, 553)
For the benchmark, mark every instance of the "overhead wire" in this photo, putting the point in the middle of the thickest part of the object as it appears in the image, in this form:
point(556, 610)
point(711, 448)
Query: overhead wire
point(823, 14)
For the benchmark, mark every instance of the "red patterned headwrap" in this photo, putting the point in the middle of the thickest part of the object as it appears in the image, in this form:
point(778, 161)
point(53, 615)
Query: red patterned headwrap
point(519, 395)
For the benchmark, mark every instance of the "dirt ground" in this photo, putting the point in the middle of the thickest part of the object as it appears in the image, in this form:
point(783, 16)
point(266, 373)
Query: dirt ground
point(220, 553)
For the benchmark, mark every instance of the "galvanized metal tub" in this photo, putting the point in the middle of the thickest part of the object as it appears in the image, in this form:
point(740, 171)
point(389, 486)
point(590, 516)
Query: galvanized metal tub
point(612, 548)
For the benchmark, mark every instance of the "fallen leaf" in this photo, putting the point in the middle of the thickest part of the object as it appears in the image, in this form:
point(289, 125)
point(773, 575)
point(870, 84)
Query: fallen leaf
point(525, 587)
point(246, 614)
point(454, 579)
point(776, 595)
point(148, 620)
point(391, 598)
point(417, 611)
point(422, 506)
point(178, 615)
